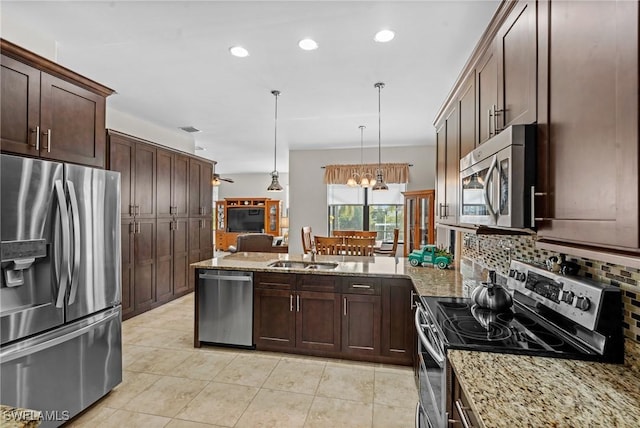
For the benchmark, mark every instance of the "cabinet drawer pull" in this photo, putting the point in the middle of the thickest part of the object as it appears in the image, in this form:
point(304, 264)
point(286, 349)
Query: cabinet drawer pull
point(364, 286)
point(297, 303)
point(290, 302)
point(344, 304)
point(463, 415)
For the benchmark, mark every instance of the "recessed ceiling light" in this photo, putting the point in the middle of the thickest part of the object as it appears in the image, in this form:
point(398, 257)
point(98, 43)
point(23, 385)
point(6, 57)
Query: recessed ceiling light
point(384, 36)
point(308, 44)
point(238, 51)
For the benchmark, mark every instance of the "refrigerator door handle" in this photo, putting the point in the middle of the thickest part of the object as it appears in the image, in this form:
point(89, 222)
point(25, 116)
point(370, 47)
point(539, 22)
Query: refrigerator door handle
point(23, 351)
point(75, 217)
point(63, 270)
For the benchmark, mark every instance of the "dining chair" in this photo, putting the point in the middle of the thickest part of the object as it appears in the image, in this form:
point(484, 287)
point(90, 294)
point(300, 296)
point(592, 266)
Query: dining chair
point(359, 246)
point(330, 245)
point(389, 249)
point(307, 239)
point(355, 233)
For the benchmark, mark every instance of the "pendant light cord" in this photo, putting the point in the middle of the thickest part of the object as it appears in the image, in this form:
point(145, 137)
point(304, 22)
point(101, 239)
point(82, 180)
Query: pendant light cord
point(275, 135)
point(362, 146)
point(379, 85)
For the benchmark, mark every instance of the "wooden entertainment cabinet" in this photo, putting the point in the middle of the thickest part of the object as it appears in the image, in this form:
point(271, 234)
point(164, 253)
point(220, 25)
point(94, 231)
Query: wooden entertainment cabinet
point(270, 225)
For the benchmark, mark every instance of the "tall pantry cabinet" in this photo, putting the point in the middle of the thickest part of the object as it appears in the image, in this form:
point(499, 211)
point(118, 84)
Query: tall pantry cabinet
point(158, 236)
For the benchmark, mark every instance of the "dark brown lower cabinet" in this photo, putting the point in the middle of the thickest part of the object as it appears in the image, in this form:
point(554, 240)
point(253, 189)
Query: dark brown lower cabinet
point(361, 319)
point(286, 319)
point(181, 256)
point(127, 260)
point(144, 270)
point(460, 411)
point(398, 337)
point(317, 321)
point(164, 260)
point(334, 316)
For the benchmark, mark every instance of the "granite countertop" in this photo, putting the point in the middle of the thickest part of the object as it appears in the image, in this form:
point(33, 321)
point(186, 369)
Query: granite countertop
point(514, 390)
point(15, 417)
point(427, 280)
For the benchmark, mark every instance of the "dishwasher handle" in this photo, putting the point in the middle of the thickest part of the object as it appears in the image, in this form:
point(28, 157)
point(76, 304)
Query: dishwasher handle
point(227, 277)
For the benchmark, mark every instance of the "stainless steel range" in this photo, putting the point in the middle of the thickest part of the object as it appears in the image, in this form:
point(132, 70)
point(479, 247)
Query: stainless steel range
point(552, 315)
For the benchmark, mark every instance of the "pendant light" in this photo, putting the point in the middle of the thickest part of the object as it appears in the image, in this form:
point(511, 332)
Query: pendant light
point(380, 184)
point(361, 178)
point(275, 185)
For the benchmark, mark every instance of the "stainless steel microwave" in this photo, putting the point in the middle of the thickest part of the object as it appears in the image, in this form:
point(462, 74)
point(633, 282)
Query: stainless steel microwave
point(497, 179)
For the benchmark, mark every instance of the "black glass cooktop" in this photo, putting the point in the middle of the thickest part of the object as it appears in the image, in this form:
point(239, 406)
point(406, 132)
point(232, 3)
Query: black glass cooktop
point(515, 330)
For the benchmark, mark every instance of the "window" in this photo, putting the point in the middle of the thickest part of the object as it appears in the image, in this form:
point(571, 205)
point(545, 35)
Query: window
point(363, 209)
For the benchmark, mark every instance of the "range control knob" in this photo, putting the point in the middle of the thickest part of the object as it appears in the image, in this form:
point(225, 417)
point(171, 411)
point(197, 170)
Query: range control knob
point(521, 276)
point(568, 296)
point(512, 272)
point(583, 303)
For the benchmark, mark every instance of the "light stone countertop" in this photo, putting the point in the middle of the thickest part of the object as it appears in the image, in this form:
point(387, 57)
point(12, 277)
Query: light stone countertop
point(520, 391)
point(505, 390)
point(15, 417)
point(427, 280)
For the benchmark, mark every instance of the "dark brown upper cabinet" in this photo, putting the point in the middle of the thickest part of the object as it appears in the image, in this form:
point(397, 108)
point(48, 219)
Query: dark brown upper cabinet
point(172, 184)
point(200, 196)
point(588, 127)
point(49, 111)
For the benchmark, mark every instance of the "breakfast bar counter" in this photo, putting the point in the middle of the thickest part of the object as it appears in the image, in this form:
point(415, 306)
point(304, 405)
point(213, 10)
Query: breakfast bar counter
point(427, 280)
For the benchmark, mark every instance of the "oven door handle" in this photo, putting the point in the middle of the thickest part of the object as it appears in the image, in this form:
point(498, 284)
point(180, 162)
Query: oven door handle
point(425, 341)
point(487, 182)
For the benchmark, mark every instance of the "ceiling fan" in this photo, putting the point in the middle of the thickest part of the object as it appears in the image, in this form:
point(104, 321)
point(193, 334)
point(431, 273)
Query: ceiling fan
point(215, 181)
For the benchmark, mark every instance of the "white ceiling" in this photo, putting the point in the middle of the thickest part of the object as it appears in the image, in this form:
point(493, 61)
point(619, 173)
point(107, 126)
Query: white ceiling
point(170, 65)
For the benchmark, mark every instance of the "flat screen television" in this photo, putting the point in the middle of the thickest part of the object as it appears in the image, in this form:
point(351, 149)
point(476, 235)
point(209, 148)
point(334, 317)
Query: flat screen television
point(247, 219)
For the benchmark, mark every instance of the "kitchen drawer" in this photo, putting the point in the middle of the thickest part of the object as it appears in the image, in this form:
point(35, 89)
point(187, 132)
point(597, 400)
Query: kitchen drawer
point(274, 281)
point(361, 285)
point(320, 283)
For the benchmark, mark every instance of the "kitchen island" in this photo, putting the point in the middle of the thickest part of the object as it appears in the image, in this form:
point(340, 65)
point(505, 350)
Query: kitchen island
point(503, 390)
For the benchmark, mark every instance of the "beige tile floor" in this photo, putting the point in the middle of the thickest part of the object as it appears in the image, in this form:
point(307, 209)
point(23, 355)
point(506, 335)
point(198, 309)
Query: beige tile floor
point(169, 383)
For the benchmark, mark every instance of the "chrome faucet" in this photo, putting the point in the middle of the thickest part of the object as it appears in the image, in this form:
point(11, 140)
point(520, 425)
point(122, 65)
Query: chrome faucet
point(313, 254)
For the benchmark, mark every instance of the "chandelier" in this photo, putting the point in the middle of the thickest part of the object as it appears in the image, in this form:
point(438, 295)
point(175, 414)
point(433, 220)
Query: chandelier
point(361, 178)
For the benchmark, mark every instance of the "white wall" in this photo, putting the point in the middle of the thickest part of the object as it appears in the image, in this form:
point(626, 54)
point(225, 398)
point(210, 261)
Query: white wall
point(308, 193)
point(253, 186)
point(124, 122)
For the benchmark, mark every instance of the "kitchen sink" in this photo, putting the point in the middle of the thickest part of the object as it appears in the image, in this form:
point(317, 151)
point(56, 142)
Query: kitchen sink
point(304, 265)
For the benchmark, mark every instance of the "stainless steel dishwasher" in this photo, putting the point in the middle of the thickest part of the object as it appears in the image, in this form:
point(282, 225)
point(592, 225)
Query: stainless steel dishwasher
point(225, 307)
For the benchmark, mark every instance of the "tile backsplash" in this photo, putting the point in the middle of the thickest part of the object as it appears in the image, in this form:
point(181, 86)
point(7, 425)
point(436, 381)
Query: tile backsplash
point(496, 251)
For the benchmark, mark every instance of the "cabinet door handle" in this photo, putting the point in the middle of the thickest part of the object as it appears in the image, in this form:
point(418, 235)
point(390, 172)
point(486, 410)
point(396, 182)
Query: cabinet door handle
point(137, 209)
point(138, 228)
point(365, 286)
point(131, 210)
point(297, 303)
point(344, 305)
point(463, 414)
point(411, 302)
point(290, 302)
point(132, 227)
point(37, 132)
point(489, 115)
point(48, 140)
point(175, 225)
point(201, 210)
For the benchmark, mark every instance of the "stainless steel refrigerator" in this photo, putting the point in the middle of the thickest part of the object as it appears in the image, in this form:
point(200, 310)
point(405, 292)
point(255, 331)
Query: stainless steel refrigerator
point(60, 286)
